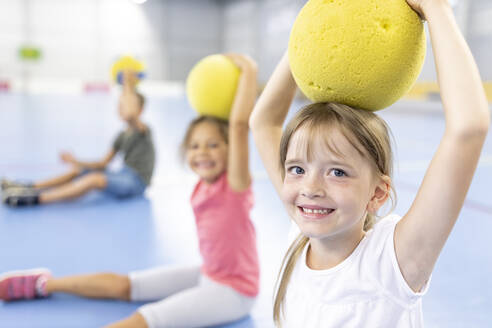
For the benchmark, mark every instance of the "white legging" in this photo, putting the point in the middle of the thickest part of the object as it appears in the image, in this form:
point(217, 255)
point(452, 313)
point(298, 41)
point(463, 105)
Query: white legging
point(187, 298)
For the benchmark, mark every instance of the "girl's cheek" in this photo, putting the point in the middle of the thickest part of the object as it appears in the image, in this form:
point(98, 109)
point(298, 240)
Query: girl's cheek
point(188, 157)
point(224, 157)
point(288, 193)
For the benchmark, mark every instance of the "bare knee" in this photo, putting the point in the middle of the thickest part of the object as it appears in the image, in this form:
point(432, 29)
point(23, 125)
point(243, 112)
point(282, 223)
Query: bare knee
point(121, 285)
point(75, 171)
point(137, 320)
point(134, 321)
point(95, 180)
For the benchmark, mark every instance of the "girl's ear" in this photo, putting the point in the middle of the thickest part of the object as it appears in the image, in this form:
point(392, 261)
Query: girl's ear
point(380, 195)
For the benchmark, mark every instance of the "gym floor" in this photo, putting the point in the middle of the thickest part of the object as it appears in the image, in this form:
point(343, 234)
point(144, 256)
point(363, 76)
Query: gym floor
point(97, 233)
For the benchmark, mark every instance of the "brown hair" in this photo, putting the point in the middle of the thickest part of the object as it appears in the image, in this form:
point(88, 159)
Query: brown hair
point(141, 100)
point(222, 126)
point(366, 132)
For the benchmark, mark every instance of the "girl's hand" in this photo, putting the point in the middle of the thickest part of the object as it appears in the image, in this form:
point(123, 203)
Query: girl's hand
point(244, 62)
point(129, 79)
point(420, 5)
point(68, 158)
point(417, 6)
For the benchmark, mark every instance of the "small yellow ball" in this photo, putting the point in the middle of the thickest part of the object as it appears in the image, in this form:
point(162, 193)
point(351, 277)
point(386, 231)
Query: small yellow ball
point(126, 63)
point(362, 53)
point(211, 86)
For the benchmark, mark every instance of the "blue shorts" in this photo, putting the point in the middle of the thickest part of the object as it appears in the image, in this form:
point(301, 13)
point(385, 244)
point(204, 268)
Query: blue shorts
point(122, 183)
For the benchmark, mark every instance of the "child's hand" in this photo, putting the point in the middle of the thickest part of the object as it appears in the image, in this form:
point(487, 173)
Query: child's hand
point(68, 158)
point(244, 62)
point(420, 5)
point(417, 6)
point(129, 78)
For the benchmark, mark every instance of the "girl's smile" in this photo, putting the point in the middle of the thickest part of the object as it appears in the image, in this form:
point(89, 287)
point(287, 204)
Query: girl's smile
point(203, 164)
point(314, 212)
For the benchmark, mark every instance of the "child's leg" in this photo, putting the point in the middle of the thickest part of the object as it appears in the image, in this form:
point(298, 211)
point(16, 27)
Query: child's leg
point(158, 283)
point(86, 183)
point(208, 304)
point(35, 283)
point(59, 180)
point(56, 181)
point(134, 321)
point(99, 285)
point(155, 284)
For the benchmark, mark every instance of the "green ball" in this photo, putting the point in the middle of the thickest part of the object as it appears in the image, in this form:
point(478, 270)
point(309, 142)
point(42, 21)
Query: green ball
point(29, 53)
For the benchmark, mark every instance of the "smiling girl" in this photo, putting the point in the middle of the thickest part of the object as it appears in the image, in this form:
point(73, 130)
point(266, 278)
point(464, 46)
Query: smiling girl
point(225, 286)
point(332, 168)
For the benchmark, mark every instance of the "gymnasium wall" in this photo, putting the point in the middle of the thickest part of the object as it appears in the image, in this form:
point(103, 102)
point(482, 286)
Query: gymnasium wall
point(80, 39)
point(260, 28)
point(479, 35)
point(275, 17)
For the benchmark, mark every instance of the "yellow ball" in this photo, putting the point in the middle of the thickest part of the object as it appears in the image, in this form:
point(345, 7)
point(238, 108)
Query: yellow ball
point(211, 86)
point(126, 63)
point(362, 53)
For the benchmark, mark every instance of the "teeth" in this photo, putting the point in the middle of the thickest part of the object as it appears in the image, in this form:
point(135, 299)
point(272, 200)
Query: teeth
point(311, 211)
point(204, 164)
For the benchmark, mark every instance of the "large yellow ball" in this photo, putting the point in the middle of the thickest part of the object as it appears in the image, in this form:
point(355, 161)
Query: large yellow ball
point(211, 86)
point(362, 53)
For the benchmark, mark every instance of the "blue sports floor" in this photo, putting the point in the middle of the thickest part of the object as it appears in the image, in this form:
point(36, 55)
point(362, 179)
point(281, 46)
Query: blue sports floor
point(98, 233)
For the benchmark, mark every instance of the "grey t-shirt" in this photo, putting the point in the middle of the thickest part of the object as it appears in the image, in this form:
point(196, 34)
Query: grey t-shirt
point(138, 150)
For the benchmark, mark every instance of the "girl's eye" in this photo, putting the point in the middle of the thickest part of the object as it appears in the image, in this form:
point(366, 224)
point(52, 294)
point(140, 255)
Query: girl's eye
point(338, 173)
point(193, 146)
point(213, 145)
point(296, 170)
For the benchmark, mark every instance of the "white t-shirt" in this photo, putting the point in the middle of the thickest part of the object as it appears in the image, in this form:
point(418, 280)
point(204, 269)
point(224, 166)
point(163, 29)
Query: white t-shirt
point(366, 290)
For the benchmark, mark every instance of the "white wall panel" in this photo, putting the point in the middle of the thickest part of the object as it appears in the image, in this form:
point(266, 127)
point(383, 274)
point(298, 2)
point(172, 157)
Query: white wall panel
point(275, 18)
point(260, 28)
point(11, 36)
point(81, 38)
point(194, 31)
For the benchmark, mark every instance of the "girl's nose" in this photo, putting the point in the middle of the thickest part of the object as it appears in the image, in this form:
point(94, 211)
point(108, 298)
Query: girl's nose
point(201, 149)
point(312, 188)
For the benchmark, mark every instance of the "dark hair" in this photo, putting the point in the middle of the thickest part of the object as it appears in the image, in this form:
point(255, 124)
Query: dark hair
point(141, 99)
point(222, 126)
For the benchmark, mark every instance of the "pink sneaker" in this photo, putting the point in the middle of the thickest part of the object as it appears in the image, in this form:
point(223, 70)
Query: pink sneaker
point(24, 285)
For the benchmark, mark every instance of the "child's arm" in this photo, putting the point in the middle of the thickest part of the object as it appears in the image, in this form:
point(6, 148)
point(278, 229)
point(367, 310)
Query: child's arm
point(238, 174)
point(421, 234)
point(129, 81)
point(97, 165)
point(269, 115)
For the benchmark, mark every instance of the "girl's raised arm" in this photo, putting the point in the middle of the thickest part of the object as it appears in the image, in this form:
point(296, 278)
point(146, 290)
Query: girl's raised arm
point(129, 81)
point(269, 115)
point(238, 175)
point(421, 234)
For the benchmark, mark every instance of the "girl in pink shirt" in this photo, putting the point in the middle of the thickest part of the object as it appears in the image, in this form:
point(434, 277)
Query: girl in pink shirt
point(224, 288)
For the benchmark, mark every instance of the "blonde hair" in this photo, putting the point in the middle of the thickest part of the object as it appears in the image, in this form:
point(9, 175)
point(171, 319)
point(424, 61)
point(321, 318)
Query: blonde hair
point(366, 132)
point(222, 126)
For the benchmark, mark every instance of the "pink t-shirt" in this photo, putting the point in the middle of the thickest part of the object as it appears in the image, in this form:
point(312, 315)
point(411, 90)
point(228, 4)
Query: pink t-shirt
point(226, 235)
